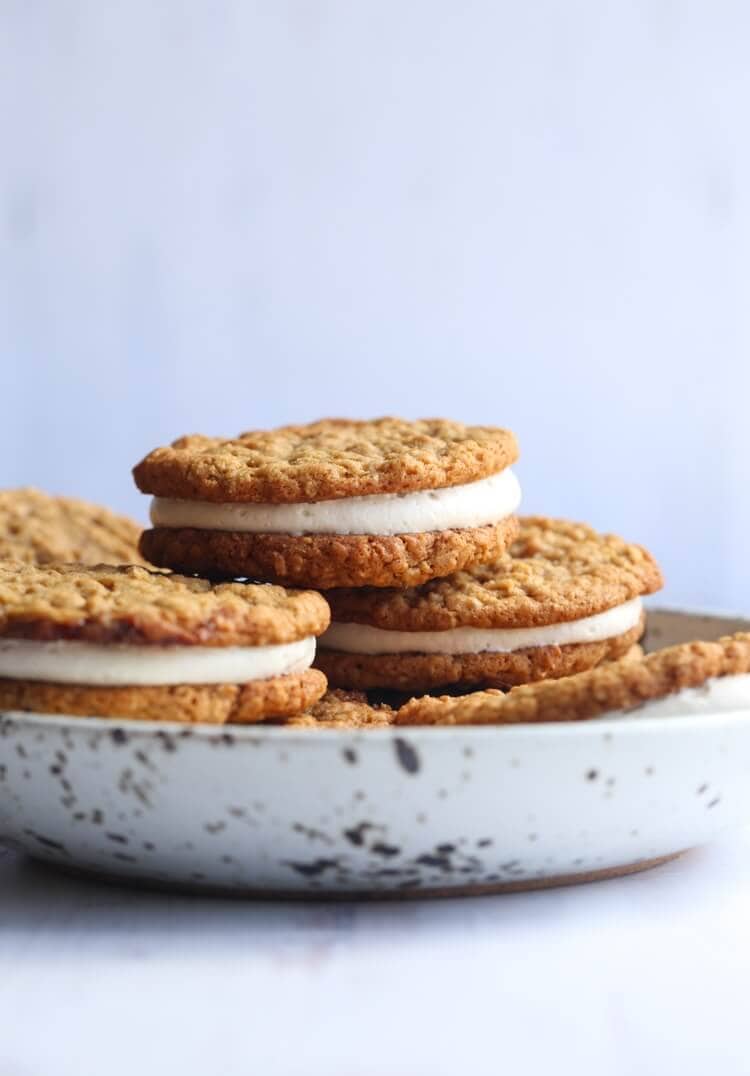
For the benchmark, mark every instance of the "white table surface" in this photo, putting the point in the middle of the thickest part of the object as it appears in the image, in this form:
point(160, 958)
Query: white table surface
point(646, 974)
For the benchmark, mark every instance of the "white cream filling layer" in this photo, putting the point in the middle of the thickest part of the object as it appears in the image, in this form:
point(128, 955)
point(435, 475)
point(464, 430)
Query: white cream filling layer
point(133, 666)
point(364, 639)
point(473, 505)
point(722, 694)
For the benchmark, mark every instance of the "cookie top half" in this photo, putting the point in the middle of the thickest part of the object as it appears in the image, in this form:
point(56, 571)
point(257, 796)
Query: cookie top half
point(326, 460)
point(135, 606)
point(39, 529)
point(556, 571)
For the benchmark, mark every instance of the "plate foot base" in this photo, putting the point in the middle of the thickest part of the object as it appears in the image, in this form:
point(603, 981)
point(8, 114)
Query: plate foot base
point(477, 889)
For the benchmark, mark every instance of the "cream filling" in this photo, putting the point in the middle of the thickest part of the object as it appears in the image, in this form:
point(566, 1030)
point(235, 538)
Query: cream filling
point(722, 694)
point(102, 665)
point(473, 505)
point(365, 639)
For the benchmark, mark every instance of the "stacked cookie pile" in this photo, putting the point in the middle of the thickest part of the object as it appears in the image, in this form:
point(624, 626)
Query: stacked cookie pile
point(127, 641)
point(409, 530)
point(419, 578)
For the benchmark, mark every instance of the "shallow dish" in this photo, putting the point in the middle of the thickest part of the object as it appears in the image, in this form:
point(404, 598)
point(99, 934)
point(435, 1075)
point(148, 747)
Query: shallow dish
point(381, 812)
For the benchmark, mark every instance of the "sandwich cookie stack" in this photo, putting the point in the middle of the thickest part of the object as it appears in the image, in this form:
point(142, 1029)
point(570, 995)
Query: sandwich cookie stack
point(127, 642)
point(334, 504)
point(409, 530)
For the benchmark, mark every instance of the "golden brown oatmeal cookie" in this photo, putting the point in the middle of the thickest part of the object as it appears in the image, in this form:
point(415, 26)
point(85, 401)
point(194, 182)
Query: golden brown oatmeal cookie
point(619, 685)
point(326, 560)
point(136, 606)
point(326, 460)
point(37, 528)
point(344, 710)
point(554, 571)
point(426, 672)
point(210, 703)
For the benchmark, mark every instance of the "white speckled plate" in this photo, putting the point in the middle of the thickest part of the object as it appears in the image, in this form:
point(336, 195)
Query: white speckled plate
point(408, 810)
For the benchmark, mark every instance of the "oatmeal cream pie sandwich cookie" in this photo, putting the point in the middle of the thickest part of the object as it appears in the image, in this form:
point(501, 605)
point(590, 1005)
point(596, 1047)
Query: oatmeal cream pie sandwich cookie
point(337, 503)
point(691, 678)
point(564, 599)
point(125, 642)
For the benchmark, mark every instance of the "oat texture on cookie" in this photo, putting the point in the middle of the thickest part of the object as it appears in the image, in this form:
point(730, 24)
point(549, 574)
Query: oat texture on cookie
point(324, 561)
point(344, 710)
point(133, 605)
point(555, 571)
point(617, 686)
point(37, 528)
point(326, 460)
point(415, 672)
point(214, 704)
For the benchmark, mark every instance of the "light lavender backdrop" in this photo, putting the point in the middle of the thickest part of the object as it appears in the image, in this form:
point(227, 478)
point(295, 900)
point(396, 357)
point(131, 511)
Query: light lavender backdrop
point(227, 214)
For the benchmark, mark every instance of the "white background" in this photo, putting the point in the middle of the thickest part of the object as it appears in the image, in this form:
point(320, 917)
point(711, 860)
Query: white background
point(640, 976)
point(221, 215)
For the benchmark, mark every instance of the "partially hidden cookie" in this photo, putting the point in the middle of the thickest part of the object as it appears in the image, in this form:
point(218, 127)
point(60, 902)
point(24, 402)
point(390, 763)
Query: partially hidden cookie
point(700, 677)
point(337, 503)
point(124, 642)
point(344, 710)
point(562, 600)
point(37, 528)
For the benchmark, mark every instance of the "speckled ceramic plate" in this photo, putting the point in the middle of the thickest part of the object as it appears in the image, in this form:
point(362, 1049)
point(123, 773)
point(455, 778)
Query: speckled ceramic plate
point(385, 812)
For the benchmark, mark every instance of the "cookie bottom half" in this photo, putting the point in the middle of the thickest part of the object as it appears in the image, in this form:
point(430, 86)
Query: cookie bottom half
point(215, 704)
point(425, 672)
point(324, 561)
